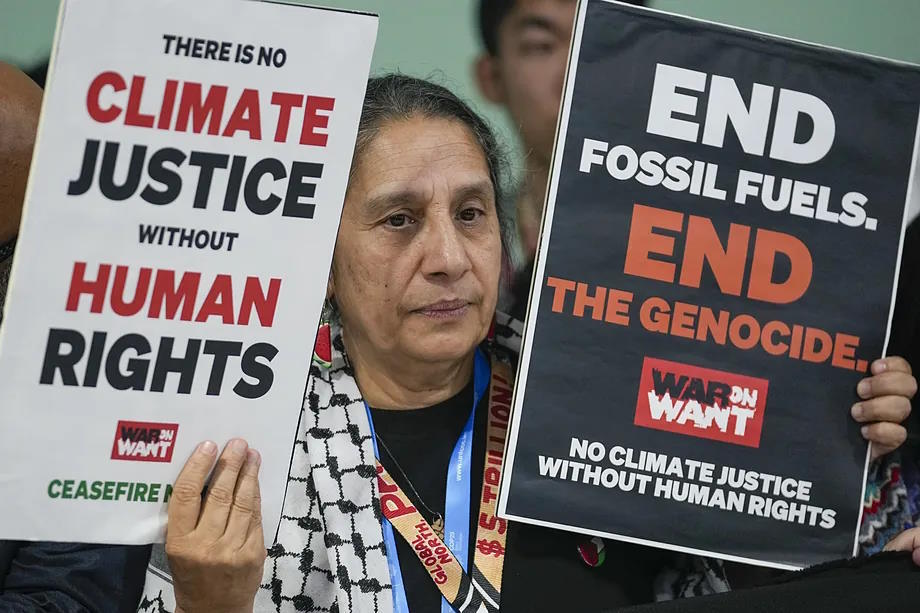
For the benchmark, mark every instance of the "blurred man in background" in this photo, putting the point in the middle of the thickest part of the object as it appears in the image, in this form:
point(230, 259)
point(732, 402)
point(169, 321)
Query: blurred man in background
point(522, 68)
point(20, 101)
point(37, 576)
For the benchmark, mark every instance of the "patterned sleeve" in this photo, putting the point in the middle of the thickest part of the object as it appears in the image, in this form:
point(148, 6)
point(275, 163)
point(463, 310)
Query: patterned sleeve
point(891, 502)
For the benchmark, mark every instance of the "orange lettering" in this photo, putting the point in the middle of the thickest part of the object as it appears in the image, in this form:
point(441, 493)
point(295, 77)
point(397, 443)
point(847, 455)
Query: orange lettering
point(654, 314)
point(845, 351)
point(761, 286)
point(561, 286)
point(643, 241)
point(703, 245)
point(618, 307)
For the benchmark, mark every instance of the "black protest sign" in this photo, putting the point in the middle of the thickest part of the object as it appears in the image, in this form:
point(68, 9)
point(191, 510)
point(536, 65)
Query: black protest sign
point(715, 277)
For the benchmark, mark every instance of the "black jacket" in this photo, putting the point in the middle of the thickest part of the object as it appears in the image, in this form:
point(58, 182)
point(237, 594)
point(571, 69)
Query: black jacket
point(70, 577)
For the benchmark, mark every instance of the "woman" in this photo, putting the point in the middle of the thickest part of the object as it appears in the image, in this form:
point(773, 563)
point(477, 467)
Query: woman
point(409, 380)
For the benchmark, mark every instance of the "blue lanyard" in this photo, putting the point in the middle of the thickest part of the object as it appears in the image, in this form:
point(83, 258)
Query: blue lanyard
point(457, 502)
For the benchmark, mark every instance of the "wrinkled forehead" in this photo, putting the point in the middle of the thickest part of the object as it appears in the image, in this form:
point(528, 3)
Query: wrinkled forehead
point(415, 159)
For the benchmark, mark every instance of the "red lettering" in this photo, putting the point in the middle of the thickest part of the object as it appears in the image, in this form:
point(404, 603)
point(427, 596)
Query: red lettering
point(79, 286)
point(105, 79)
point(491, 522)
point(219, 301)
point(210, 110)
point(312, 120)
point(501, 396)
point(167, 297)
point(284, 102)
point(133, 115)
point(119, 306)
point(264, 304)
point(393, 506)
point(169, 101)
point(246, 116)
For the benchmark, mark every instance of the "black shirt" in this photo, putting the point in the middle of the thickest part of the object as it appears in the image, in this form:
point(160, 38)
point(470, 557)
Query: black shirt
point(905, 326)
point(543, 570)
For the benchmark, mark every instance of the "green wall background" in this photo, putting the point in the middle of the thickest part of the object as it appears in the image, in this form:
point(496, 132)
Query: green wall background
point(438, 37)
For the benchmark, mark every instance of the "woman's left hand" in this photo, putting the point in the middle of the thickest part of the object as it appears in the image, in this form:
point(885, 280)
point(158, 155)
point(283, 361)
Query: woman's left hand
point(909, 540)
point(885, 404)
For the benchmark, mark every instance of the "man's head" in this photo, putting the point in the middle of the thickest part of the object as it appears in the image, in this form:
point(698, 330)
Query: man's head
point(526, 44)
point(20, 103)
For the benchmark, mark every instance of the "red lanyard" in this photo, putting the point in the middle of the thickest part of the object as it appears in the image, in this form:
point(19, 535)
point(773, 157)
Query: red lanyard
point(479, 589)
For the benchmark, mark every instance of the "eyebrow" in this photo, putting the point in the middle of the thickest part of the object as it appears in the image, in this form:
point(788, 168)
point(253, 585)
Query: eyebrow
point(410, 197)
point(537, 22)
point(480, 189)
point(378, 204)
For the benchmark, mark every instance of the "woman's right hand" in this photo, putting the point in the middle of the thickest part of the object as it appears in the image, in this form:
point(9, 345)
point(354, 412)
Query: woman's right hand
point(215, 544)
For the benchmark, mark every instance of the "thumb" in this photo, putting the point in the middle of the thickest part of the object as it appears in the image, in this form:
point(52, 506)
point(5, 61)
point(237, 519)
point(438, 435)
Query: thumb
point(909, 540)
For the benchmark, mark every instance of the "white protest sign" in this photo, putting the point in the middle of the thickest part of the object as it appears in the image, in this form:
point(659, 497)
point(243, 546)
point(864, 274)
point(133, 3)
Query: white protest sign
point(180, 218)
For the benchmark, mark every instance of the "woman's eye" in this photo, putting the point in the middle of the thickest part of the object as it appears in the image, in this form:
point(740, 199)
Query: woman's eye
point(398, 221)
point(470, 214)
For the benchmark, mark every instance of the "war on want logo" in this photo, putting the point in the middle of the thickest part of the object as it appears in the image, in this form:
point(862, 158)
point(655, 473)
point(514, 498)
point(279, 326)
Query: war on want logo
point(144, 441)
point(700, 402)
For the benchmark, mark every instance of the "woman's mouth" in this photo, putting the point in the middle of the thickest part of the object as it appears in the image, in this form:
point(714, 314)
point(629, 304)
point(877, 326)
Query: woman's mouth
point(444, 309)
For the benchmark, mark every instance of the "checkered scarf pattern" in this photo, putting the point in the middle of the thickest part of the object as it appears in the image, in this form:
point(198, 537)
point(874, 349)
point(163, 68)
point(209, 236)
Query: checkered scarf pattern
point(328, 555)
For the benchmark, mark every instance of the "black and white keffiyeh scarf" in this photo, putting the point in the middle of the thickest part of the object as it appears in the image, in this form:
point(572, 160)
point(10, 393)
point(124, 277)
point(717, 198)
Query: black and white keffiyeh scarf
point(328, 555)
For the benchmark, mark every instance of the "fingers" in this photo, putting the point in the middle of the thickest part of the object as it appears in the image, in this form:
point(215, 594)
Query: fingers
point(255, 542)
point(886, 408)
point(909, 540)
point(219, 500)
point(887, 383)
point(885, 437)
point(247, 503)
point(890, 363)
point(185, 502)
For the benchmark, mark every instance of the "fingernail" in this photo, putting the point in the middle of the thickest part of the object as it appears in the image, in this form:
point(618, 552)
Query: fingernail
point(864, 388)
point(879, 366)
point(865, 431)
point(253, 457)
point(857, 411)
point(238, 445)
point(207, 447)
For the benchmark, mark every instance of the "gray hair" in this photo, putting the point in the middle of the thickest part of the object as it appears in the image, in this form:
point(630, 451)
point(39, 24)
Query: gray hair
point(394, 97)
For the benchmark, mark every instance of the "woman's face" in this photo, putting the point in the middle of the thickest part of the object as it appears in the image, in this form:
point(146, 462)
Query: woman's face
point(418, 258)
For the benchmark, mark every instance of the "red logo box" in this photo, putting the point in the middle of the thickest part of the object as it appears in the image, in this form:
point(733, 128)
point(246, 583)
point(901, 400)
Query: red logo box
point(701, 402)
point(144, 441)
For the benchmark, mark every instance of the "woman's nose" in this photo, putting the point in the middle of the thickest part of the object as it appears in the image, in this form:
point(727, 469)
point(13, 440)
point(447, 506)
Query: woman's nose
point(445, 253)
